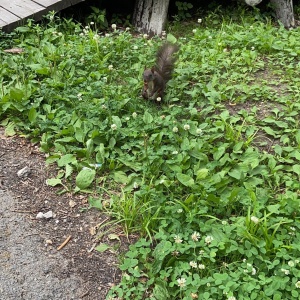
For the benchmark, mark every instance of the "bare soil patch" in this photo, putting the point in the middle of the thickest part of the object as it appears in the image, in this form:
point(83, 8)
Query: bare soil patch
point(98, 271)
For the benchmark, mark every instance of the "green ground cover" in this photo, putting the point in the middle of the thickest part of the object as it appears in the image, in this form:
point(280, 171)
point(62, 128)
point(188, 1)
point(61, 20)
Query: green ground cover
point(209, 179)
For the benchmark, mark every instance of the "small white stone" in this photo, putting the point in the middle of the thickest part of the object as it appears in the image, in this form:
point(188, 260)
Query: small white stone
point(23, 172)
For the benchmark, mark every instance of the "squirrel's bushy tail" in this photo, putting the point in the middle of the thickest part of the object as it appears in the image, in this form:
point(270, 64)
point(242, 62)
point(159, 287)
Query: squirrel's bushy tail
point(165, 60)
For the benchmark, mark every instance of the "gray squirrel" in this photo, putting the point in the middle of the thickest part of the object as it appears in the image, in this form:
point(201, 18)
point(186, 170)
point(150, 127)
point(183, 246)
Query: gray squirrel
point(155, 79)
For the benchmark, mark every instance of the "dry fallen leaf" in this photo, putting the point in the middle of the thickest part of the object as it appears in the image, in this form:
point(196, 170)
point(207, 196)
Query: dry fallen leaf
point(72, 203)
point(93, 230)
point(14, 50)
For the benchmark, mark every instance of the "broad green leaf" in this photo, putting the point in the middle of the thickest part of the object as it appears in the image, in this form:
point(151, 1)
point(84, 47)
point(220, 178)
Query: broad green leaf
point(296, 169)
point(16, 94)
point(32, 115)
point(84, 178)
point(297, 136)
point(89, 147)
point(116, 120)
point(121, 177)
point(218, 154)
point(79, 134)
point(202, 173)
point(236, 173)
point(95, 202)
point(10, 129)
point(160, 291)
point(53, 181)
point(171, 38)
point(69, 170)
point(185, 179)
point(270, 131)
point(102, 247)
point(147, 118)
point(66, 159)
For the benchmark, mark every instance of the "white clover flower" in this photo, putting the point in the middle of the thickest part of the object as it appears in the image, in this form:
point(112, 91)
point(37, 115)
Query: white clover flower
point(231, 298)
point(254, 219)
point(201, 252)
point(291, 263)
point(79, 96)
point(225, 50)
point(135, 47)
point(127, 118)
point(95, 37)
point(199, 131)
point(244, 260)
point(210, 37)
point(193, 264)
point(224, 222)
point(104, 79)
point(186, 127)
point(107, 35)
point(163, 33)
point(196, 236)
point(180, 210)
point(251, 27)
point(127, 28)
point(145, 35)
point(92, 23)
point(81, 34)
point(181, 282)
point(194, 296)
point(201, 266)
point(285, 271)
point(209, 239)
point(252, 48)
point(194, 30)
point(114, 26)
point(297, 284)
point(134, 114)
point(199, 21)
point(177, 239)
point(175, 253)
point(296, 261)
point(225, 265)
point(292, 228)
point(60, 33)
point(208, 284)
point(86, 27)
point(158, 99)
point(219, 44)
point(175, 152)
point(253, 272)
point(135, 185)
point(110, 67)
point(113, 126)
point(175, 129)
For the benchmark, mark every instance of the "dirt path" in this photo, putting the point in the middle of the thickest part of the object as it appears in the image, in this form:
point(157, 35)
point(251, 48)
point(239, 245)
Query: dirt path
point(31, 266)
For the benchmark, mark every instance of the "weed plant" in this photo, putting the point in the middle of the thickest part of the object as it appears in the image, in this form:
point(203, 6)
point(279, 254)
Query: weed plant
point(209, 178)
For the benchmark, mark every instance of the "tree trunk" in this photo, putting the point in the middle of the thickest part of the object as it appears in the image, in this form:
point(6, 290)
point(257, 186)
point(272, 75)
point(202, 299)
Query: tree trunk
point(150, 16)
point(284, 12)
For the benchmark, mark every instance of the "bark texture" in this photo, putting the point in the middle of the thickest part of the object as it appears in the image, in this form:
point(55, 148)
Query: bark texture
point(150, 16)
point(284, 12)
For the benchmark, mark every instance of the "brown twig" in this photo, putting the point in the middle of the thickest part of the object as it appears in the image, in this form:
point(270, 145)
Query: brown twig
point(64, 243)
